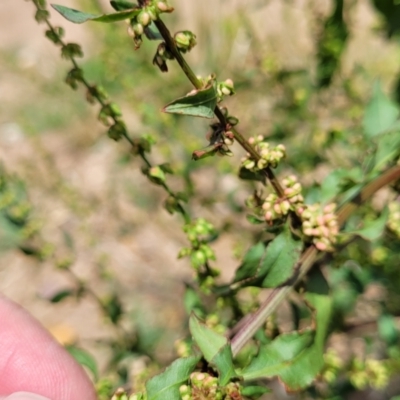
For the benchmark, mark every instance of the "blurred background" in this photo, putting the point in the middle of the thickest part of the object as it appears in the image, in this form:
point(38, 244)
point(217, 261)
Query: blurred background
point(303, 70)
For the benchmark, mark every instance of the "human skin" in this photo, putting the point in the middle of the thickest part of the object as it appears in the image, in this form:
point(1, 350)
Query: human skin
point(33, 366)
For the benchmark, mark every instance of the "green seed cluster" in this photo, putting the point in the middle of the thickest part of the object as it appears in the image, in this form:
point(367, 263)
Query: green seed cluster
point(372, 373)
point(270, 156)
point(205, 387)
point(185, 41)
point(394, 218)
point(200, 232)
point(333, 366)
point(226, 88)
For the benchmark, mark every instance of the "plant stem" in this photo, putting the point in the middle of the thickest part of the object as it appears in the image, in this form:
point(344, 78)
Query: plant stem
point(250, 326)
point(198, 84)
point(103, 103)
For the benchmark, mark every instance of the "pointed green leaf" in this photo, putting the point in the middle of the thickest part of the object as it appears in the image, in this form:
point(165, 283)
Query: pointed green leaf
point(121, 5)
point(380, 114)
point(215, 348)
point(317, 283)
point(200, 104)
point(223, 362)
point(209, 342)
point(271, 265)
point(85, 359)
point(251, 262)
point(282, 255)
point(165, 386)
point(79, 17)
point(248, 175)
point(388, 149)
point(372, 230)
point(297, 357)
point(278, 355)
point(255, 391)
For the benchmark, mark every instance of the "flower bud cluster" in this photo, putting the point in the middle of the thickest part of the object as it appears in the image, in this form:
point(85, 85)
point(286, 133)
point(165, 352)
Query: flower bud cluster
point(321, 225)
point(205, 386)
point(318, 223)
point(185, 41)
point(275, 208)
point(146, 16)
point(225, 88)
point(393, 222)
point(372, 373)
point(270, 156)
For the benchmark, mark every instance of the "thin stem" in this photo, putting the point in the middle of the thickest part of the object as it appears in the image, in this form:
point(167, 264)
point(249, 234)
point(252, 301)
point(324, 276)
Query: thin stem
point(198, 84)
point(103, 103)
point(255, 321)
point(170, 42)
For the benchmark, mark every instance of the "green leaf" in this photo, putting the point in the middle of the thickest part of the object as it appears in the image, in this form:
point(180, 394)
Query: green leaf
point(388, 149)
point(209, 342)
point(165, 386)
point(297, 357)
point(330, 186)
point(152, 33)
point(251, 262)
point(215, 348)
point(255, 391)
point(380, 113)
point(223, 361)
point(121, 5)
point(317, 283)
point(278, 355)
point(192, 302)
point(282, 255)
point(200, 104)
point(85, 359)
point(248, 175)
point(372, 230)
point(271, 265)
point(79, 17)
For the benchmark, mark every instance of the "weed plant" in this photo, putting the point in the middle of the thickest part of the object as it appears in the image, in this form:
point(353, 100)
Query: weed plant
point(310, 239)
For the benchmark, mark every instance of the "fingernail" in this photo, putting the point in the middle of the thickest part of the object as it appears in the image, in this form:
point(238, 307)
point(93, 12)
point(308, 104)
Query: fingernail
point(25, 396)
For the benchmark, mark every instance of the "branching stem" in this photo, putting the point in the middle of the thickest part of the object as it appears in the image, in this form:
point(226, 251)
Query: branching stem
point(197, 83)
point(250, 326)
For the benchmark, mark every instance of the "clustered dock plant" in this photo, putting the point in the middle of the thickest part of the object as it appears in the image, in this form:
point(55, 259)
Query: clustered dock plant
point(236, 345)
